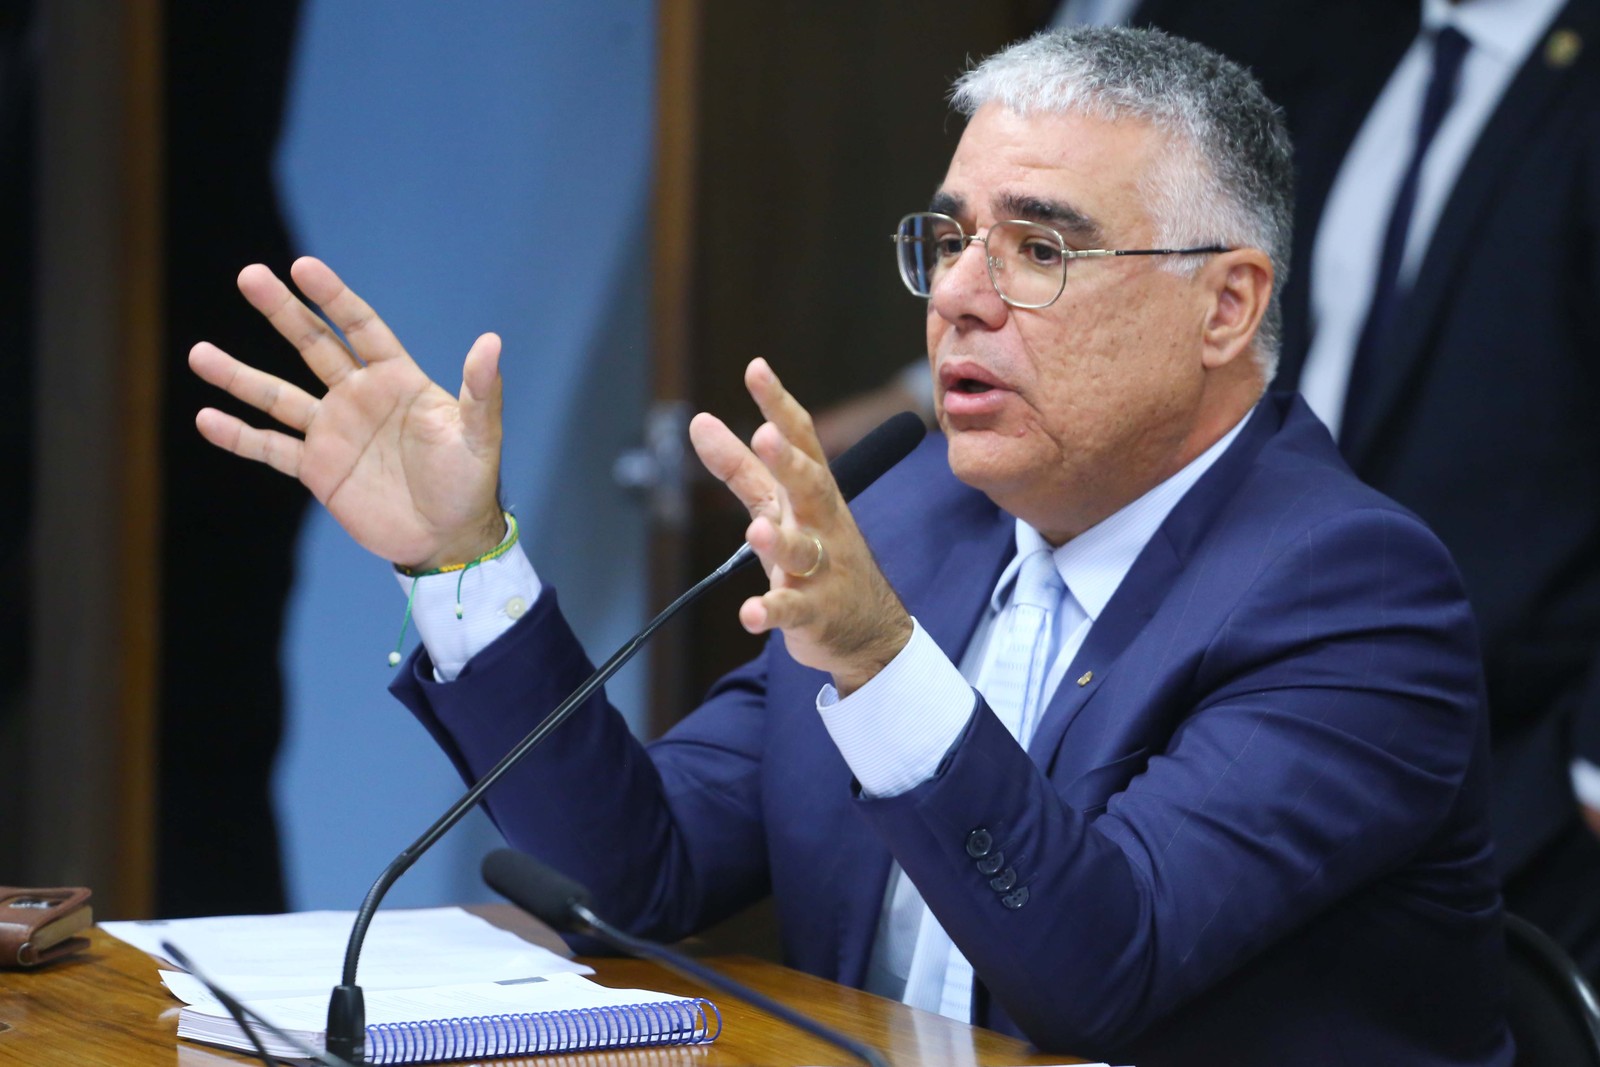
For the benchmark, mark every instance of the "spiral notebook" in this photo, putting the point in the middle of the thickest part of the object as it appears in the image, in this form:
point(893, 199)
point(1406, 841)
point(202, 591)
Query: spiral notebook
point(556, 1013)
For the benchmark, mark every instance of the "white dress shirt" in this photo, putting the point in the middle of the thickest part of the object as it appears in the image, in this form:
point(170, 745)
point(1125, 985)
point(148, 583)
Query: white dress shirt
point(494, 595)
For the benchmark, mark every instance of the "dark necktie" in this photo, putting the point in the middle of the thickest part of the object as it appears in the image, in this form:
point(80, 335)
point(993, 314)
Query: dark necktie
point(1449, 48)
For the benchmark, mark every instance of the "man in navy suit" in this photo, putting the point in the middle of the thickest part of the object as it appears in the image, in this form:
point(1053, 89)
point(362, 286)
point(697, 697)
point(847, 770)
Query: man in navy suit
point(1475, 402)
point(1127, 720)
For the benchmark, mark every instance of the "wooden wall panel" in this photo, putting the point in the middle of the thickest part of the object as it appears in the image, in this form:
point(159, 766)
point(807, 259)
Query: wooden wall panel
point(91, 708)
point(816, 126)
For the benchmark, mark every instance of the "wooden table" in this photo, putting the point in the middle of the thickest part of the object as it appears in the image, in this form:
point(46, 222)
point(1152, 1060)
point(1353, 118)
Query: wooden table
point(107, 1007)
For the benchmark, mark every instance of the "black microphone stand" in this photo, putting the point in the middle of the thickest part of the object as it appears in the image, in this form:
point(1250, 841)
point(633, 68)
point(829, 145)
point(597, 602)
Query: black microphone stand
point(347, 1015)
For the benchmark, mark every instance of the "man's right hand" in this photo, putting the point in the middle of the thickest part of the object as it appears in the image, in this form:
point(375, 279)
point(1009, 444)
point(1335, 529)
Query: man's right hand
point(408, 470)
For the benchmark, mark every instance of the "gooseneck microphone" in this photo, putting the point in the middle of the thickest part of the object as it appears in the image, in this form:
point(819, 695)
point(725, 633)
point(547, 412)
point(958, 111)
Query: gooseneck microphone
point(856, 469)
point(558, 901)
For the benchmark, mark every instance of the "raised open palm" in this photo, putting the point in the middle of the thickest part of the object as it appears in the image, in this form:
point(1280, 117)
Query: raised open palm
point(407, 469)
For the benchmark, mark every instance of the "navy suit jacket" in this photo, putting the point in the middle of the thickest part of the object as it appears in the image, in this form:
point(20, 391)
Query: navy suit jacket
point(1252, 827)
point(1483, 411)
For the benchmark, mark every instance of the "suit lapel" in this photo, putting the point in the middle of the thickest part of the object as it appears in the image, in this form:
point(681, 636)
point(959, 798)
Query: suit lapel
point(944, 571)
point(1143, 592)
point(1534, 90)
point(1124, 617)
point(953, 601)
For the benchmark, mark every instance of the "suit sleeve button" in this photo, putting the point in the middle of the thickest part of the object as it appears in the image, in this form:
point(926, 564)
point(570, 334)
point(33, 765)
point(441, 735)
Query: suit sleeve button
point(1016, 898)
point(979, 843)
point(1004, 880)
point(991, 863)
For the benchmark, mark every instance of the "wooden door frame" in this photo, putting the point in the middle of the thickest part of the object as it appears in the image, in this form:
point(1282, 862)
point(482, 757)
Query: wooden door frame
point(673, 279)
point(91, 711)
point(790, 136)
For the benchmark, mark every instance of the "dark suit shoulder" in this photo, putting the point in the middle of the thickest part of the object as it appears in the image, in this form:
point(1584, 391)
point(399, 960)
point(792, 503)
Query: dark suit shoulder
point(1303, 467)
point(1282, 476)
point(1280, 529)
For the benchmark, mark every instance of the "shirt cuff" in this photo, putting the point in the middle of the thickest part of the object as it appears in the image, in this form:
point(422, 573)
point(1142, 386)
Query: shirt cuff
point(895, 730)
point(1586, 782)
point(494, 595)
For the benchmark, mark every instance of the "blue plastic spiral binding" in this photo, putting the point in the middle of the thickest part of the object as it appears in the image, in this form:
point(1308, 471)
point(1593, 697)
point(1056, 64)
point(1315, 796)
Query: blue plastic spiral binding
point(683, 1022)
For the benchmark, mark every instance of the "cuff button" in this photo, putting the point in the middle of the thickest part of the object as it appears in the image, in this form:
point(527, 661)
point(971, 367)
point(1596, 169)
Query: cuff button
point(991, 864)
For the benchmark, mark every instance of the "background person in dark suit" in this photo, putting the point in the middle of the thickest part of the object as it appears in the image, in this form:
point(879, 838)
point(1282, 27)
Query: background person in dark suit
point(1225, 785)
point(1470, 394)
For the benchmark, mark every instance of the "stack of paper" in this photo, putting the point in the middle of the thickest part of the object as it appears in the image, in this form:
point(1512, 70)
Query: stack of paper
point(513, 1018)
point(438, 983)
point(302, 953)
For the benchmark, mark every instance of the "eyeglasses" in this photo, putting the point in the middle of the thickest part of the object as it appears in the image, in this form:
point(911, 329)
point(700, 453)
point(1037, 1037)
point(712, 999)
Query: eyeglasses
point(1027, 261)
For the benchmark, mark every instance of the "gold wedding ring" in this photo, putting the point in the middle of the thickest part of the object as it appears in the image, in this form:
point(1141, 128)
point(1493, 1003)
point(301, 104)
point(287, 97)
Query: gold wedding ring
point(817, 566)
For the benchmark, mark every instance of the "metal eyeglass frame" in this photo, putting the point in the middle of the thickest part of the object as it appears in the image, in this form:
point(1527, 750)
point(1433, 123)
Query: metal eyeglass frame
point(1067, 254)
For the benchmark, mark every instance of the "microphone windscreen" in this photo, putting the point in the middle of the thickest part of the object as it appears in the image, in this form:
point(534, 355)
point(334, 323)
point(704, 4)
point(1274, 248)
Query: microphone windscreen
point(871, 457)
point(545, 893)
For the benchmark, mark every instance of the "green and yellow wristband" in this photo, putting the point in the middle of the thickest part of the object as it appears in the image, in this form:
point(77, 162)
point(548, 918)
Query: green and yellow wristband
point(458, 569)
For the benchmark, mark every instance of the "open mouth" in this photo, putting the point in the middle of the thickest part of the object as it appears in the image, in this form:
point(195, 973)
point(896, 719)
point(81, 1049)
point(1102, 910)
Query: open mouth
point(970, 388)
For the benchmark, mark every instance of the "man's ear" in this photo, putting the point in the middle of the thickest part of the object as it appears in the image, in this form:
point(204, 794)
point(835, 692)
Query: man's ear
point(1239, 284)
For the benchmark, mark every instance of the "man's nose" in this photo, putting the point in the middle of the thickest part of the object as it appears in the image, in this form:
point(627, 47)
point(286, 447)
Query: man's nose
point(964, 291)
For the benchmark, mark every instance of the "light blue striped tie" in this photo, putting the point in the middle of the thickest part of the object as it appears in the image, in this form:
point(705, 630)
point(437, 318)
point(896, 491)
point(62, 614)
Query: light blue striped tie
point(1021, 660)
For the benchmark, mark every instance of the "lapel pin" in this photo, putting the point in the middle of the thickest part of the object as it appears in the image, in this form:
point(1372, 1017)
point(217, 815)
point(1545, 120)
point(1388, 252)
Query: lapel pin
point(1088, 676)
point(1561, 48)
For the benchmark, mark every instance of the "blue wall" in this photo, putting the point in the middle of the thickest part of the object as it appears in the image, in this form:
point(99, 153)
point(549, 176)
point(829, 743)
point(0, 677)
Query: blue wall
point(467, 167)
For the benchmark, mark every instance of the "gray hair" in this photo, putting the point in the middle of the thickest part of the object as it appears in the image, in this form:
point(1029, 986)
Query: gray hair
point(1234, 183)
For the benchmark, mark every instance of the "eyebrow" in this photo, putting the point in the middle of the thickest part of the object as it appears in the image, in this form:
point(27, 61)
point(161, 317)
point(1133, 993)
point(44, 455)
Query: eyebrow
point(1077, 227)
point(947, 204)
point(1074, 224)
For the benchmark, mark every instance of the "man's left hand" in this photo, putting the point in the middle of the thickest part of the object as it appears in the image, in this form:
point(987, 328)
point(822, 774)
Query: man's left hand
point(837, 611)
